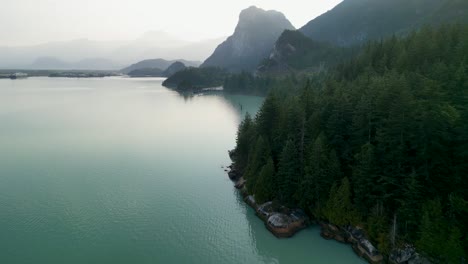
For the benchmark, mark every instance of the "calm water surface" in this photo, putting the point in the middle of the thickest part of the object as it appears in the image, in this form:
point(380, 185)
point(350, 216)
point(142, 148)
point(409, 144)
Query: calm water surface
point(125, 171)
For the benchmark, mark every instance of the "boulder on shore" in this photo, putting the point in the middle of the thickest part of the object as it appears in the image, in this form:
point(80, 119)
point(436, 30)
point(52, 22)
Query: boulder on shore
point(354, 236)
point(234, 174)
point(265, 210)
point(365, 249)
point(406, 255)
point(250, 200)
point(280, 220)
point(239, 184)
point(330, 231)
point(362, 246)
point(287, 224)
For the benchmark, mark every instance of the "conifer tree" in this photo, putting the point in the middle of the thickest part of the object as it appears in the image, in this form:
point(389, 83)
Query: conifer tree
point(339, 209)
point(289, 173)
point(265, 186)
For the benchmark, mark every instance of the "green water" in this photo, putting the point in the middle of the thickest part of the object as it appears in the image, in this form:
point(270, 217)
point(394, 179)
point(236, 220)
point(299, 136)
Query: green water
point(125, 171)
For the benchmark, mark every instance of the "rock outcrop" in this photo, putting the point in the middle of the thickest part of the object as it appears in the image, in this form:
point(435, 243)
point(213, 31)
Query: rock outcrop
point(356, 237)
point(251, 42)
point(233, 173)
point(284, 222)
point(279, 220)
point(406, 255)
point(287, 224)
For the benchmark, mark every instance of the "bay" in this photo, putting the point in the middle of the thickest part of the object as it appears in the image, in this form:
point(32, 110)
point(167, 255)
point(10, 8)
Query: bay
point(119, 170)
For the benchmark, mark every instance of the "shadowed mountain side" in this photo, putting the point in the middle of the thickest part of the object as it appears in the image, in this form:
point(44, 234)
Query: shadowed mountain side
point(356, 21)
point(294, 52)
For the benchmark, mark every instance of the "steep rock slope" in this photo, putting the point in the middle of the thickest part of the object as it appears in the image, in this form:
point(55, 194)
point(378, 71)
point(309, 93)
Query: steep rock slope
point(251, 42)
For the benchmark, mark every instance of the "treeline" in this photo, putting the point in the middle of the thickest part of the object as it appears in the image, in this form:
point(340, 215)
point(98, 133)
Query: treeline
point(379, 142)
point(247, 83)
point(193, 79)
point(294, 52)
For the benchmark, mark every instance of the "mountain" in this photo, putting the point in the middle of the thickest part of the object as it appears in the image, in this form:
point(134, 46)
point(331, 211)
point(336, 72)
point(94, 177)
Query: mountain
point(174, 68)
point(356, 21)
point(157, 63)
point(96, 64)
point(158, 44)
point(451, 10)
point(53, 63)
point(295, 52)
point(146, 72)
point(337, 34)
point(157, 72)
point(48, 63)
point(154, 44)
point(251, 42)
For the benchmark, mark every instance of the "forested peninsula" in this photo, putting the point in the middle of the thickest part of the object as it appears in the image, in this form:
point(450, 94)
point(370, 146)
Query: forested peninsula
point(378, 143)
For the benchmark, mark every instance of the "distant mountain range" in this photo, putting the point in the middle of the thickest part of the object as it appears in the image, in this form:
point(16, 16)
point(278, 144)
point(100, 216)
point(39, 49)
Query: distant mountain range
point(252, 40)
point(258, 42)
point(53, 63)
point(108, 55)
point(265, 42)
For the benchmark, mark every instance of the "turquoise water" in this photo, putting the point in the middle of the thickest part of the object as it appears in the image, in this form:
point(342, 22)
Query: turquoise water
point(125, 171)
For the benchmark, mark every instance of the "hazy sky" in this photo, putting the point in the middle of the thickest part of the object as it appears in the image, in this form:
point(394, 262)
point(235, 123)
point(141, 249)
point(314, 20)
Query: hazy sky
point(26, 22)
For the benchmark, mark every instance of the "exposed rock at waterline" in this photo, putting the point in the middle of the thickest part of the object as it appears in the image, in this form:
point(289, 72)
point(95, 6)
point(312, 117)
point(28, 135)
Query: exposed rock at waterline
point(406, 255)
point(356, 237)
point(240, 183)
point(286, 225)
point(280, 220)
point(234, 174)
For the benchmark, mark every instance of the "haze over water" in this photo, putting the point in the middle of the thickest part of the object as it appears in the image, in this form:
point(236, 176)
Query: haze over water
point(125, 171)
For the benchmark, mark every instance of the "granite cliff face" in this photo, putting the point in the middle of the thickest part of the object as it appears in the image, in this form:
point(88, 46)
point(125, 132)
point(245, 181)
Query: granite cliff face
point(251, 42)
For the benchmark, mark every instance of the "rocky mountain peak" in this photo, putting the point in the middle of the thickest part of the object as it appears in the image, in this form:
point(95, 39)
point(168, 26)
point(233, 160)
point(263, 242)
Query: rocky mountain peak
point(253, 39)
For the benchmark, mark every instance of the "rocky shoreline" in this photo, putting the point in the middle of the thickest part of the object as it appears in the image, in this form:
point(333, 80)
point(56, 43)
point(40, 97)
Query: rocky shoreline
point(281, 221)
point(284, 222)
point(354, 236)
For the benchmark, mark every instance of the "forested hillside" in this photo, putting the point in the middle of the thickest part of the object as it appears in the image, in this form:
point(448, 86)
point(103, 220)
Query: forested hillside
point(294, 52)
point(357, 21)
point(380, 141)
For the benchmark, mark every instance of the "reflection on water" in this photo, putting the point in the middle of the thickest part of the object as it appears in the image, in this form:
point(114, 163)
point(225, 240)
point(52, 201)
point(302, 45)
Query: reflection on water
point(119, 170)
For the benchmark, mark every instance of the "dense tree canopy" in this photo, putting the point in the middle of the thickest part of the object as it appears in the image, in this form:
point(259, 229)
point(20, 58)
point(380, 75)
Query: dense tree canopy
point(381, 137)
point(191, 78)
